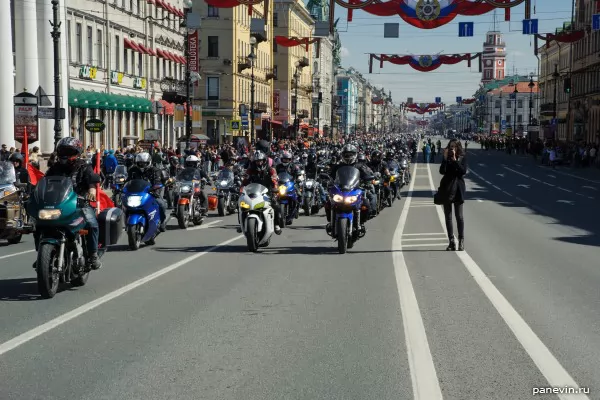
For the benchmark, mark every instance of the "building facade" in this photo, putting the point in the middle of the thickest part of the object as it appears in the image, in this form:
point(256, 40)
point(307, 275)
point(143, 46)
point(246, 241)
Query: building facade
point(555, 62)
point(584, 121)
point(229, 61)
point(323, 80)
point(348, 106)
point(493, 58)
point(293, 66)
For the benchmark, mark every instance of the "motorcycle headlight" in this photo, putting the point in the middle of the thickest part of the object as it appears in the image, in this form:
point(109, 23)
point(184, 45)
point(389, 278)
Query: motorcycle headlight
point(338, 198)
point(245, 205)
point(350, 199)
point(49, 214)
point(282, 190)
point(185, 189)
point(223, 183)
point(309, 184)
point(120, 180)
point(134, 201)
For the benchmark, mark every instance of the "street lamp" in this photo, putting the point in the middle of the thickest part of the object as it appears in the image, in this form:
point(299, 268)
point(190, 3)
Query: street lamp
point(296, 78)
point(515, 92)
point(187, 4)
point(531, 86)
point(555, 75)
point(252, 57)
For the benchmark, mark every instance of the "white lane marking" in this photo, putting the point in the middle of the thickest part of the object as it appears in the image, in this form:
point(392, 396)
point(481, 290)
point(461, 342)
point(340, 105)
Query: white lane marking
point(564, 190)
point(549, 366)
point(500, 175)
point(423, 205)
point(480, 201)
point(16, 254)
point(425, 383)
point(496, 187)
point(575, 176)
point(590, 188)
point(404, 246)
point(204, 226)
point(552, 176)
point(524, 186)
point(569, 202)
point(62, 319)
point(481, 164)
point(424, 234)
point(422, 239)
point(518, 165)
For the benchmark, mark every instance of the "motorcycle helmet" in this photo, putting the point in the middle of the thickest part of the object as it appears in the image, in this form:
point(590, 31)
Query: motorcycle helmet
point(312, 158)
point(376, 156)
point(68, 149)
point(349, 154)
point(286, 158)
point(362, 157)
point(142, 160)
point(260, 160)
point(389, 155)
point(16, 157)
point(191, 162)
point(304, 156)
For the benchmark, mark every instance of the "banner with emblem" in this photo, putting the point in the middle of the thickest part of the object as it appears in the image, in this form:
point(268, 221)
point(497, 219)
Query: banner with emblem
point(422, 63)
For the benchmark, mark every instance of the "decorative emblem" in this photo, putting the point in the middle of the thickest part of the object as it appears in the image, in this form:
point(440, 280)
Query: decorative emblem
point(428, 10)
point(425, 61)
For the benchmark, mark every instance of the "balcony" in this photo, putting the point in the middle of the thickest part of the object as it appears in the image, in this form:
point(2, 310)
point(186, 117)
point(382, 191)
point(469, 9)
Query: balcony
point(260, 107)
point(303, 62)
point(306, 88)
point(547, 109)
point(303, 113)
point(270, 74)
point(243, 63)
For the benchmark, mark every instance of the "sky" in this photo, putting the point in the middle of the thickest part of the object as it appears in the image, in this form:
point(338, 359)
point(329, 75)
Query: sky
point(365, 35)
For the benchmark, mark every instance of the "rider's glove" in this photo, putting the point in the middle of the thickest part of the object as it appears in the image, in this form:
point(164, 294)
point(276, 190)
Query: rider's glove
point(91, 194)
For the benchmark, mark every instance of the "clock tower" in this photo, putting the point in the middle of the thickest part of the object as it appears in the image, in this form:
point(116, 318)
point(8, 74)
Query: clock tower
point(493, 57)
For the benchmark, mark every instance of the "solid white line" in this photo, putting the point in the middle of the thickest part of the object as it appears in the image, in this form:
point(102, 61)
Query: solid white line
point(553, 371)
point(422, 205)
point(424, 234)
point(425, 383)
point(423, 239)
point(565, 190)
point(60, 320)
point(16, 254)
point(575, 176)
point(425, 245)
point(204, 226)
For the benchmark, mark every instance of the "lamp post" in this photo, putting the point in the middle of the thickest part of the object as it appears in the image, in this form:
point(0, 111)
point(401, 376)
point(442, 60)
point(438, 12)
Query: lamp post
point(555, 76)
point(56, 48)
point(183, 26)
point(296, 78)
point(252, 57)
point(531, 86)
point(515, 92)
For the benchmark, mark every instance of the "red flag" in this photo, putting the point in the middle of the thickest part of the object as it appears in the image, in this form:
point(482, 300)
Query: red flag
point(34, 174)
point(104, 201)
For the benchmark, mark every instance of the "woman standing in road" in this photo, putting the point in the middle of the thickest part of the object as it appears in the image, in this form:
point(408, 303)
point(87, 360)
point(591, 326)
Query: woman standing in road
point(452, 191)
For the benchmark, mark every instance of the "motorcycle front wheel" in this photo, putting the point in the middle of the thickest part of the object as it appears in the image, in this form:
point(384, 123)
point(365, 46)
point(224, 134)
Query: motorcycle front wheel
point(221, 207)
point(134, 237)
point(47, 271)
point(342, 235)
point(252, 236)
point(182, 216)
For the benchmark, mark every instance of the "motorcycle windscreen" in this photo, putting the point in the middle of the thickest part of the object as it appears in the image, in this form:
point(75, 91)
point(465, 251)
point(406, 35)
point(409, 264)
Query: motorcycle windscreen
point(225, 175)
point(347, 178)
point(137, 186)
point(121, 171)
point(7, 173)
point(284, 177)
point(188, 175)
point(255, 189)
point(52, 190)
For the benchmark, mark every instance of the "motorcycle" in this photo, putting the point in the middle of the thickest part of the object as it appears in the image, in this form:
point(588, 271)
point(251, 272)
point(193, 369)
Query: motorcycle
point(288, 197)
point(405, 168)
point(347, 209)
point(389, 186)
point(142, 212)
point(227, 192)
point(377, 187)
point(256, 216)
point(60, 224)
point(188, 189)
point(119, 177)
point(311, 198)
point(14, 220)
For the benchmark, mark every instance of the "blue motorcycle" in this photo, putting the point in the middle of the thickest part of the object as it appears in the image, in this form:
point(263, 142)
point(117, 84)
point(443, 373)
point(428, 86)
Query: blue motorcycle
point(347, 210)
point(288, 197)
point(142, 212)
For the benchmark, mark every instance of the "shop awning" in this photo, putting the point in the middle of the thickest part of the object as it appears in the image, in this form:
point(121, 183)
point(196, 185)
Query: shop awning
point(273, 122)
point(161, 53)
point(160, 4)
point(143, 48)
point(104, 101)
point(131, 45)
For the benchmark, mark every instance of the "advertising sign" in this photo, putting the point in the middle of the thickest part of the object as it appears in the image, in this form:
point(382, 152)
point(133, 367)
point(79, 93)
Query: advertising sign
point(179, 116)
point(196, 116)
point(94, 125)
point(194, 44)
point(26, 118)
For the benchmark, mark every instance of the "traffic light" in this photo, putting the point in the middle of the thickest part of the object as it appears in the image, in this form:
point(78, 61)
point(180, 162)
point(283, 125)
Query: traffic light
point(567, 85)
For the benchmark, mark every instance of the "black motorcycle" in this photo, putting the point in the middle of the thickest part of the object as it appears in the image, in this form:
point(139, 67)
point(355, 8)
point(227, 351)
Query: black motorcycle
point(228, 192)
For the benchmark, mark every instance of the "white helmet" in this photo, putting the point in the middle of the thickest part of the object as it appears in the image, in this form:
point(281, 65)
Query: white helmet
point(143, 160)
point(191, 162)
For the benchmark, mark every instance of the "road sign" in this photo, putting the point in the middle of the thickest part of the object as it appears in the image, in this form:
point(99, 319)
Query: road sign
point(438, 100)
point(48, 113)
point(391, 30)
point(234, 125)
point(458, 99)
point(43, 98)
point(596, 22)
point(530, 27)
point(245, 121)
point(503, 124)
point(152, 134)
point(466, 29)
point(554, 121)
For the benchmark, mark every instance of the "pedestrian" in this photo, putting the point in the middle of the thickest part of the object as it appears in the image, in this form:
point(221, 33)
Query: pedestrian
point(452, 191)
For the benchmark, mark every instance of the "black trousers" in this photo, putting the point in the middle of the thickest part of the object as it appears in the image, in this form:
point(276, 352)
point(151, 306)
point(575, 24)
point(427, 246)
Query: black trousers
point(460, 221)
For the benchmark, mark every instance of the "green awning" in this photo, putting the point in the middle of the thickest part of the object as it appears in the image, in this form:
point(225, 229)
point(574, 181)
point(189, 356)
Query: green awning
point(104, 101)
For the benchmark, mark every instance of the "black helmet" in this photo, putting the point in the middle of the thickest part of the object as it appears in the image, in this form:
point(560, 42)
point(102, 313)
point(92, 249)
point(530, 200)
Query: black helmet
point(16, 157)
point(68, 149)
point(376, 155)
point(349, 154)
point(312, 158)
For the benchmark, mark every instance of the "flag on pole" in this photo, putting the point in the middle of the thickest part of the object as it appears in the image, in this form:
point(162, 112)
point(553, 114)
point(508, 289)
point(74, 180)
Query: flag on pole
point(103, 201)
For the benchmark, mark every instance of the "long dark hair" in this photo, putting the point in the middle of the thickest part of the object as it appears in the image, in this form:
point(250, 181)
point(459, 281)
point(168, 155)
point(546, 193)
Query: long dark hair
point(457, 145)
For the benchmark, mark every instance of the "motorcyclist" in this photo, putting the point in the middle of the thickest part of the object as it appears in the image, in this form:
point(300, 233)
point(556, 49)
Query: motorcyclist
point(142, 169)
point(193, 163)
point(312, 172)
point(20, 170)
point(392, 164)
point(377, 164)
point(286, 165)
point(260, 172)
point(68, 152)
point(349, 158)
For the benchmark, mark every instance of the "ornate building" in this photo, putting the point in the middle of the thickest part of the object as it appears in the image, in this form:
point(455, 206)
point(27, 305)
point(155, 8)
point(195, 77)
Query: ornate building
point(494, 57)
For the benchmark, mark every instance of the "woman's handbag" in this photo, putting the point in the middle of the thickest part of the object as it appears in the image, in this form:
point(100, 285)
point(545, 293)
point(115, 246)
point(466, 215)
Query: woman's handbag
point(446, 192)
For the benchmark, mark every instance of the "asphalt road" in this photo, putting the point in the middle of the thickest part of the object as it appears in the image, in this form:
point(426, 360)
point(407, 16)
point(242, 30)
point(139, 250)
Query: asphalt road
point(198, 317)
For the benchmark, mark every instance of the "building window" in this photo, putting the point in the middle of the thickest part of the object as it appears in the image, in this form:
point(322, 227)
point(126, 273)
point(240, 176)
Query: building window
point(90, 46)
point(140, 65)
point(508, 104)
point(274, 46)
point(213, 46)
point(212, 88)
point(157, 72)
point(125, 61)
point(79, 43)
point(508, 118)
point(99, 47)
point(69, 40)
point(117, 53)
point(213, 11)
point(519, 103)
point(498, 104)
point(275, 19)
point(519, 119)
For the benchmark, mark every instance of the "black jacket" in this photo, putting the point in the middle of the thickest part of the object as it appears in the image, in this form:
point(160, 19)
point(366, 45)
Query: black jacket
point(364, 169)
point(150, 174)
point(22, 175)
point(83, 175)
point(454, 171)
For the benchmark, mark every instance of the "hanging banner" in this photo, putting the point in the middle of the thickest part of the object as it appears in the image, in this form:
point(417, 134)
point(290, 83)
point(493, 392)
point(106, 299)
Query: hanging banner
point(194, 49)
point(179, 116)
point(196, 116)
point(276, 102)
